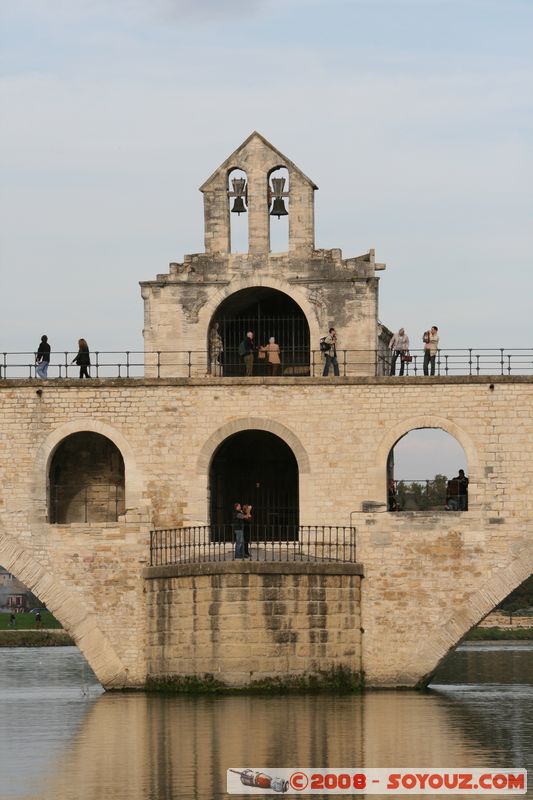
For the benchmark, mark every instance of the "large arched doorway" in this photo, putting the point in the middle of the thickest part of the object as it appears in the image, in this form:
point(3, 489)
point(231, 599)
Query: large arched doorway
point(259, 468)
point(267, 312)
point(86, 480)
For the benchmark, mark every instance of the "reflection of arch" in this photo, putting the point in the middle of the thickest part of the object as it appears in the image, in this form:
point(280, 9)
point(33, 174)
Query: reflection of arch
point(255, 467)
point(133, 487)
point(67, 608)
point(487, 597)
point(267, 312)
point(86, 479)
point(246, 424)
point(401, 429)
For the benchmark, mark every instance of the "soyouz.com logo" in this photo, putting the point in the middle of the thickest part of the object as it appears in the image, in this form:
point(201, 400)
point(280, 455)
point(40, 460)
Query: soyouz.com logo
point(412, 781)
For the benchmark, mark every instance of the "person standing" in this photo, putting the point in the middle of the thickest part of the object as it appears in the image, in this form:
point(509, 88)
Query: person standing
point(216, 350)
point(431, 347)
point(247, 511)
point(272, 353)
point(330, 353)
point(42, 358)
point(238, 530)
point(462, 497)
point(83, 359)
point(399, 347)
point(247, 349)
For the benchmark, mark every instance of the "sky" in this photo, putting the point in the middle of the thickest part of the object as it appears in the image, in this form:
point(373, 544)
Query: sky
point(414, 117)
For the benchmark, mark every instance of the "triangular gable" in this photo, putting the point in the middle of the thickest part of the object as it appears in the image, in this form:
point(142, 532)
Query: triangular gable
point(228, 162)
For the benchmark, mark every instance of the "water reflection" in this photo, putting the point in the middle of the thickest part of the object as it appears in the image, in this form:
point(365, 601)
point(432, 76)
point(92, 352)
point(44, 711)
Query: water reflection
point(82, 744)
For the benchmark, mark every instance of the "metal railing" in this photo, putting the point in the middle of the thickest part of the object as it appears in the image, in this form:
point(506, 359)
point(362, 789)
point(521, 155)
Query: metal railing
point(415, 494)
point(197, 363)
point(202, 543)
point(97, 502)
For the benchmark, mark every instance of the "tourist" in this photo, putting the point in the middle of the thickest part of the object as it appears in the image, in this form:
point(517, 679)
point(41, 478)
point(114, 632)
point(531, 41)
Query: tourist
point(12, 620)
point(42, 358)
point(392, 495)
point(462, 497)
point(272, 355)
point(330, 353)
point(399, 347)
point(431, 346)
point(216, 351)
point(83, 359)
point(246, 349)
point(238, 530)
point(247, 511)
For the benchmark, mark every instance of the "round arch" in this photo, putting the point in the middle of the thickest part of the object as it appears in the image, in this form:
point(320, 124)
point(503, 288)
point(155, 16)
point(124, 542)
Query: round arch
point(310, 310)
point(401, 429)
point(258, 468)
point(68, 609)
point(45, 453)
point(209, 448)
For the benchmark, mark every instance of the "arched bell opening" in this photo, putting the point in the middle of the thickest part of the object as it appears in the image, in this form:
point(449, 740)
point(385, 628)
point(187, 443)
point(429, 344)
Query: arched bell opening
point(258, 468)
point(267, 313)
point(238, 210)
point(427, 470)
point(86, 480)
point(278, 195)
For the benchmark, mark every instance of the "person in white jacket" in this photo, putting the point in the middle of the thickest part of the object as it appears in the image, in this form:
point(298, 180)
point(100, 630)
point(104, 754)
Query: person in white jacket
point(399, 347)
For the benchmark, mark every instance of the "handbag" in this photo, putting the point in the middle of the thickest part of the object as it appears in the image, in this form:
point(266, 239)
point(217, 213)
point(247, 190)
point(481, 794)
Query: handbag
point(406, 358)
point(262, 354)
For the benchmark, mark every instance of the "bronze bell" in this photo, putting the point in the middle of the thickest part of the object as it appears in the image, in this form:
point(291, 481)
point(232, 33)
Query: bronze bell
point(278, 208)
point(238, 206)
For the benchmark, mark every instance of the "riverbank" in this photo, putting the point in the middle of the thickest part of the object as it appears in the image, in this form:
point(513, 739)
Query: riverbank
point(35, 638)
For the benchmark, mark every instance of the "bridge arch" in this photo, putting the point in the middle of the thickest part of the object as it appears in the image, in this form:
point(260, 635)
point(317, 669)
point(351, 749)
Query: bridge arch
point(68, 609)
point(247, 424)
point(45, 454)
point(448, 635)
point(401, 429)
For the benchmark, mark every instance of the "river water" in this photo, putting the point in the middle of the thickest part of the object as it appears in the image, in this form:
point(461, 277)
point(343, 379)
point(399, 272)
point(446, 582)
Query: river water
point(61, 737)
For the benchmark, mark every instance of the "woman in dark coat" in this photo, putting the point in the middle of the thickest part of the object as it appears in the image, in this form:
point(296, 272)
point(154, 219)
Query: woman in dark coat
point(83, 359)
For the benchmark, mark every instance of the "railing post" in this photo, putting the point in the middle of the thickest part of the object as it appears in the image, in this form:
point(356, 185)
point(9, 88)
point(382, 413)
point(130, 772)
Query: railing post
point(96, 364)
point(127, 363)
point(158, 363)
point(501, 360)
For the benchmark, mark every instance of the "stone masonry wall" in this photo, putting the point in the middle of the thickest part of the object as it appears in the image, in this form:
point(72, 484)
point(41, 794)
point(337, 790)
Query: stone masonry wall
point(242, 625)
point(428, 577)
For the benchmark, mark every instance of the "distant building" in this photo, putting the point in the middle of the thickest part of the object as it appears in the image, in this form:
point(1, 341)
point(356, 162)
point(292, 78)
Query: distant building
point(14, 595)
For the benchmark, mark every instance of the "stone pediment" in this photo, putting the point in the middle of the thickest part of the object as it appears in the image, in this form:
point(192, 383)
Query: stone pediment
point(255, 148)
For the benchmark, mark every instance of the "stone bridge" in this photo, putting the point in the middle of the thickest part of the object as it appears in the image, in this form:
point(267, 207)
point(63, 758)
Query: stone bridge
point(427, 577)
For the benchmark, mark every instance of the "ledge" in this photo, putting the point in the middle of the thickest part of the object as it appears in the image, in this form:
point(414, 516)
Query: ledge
point(253, 568)
point(221, 383)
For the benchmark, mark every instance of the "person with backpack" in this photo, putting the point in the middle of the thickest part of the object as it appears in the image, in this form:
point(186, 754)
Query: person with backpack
point(246, 351)
point(328, 348)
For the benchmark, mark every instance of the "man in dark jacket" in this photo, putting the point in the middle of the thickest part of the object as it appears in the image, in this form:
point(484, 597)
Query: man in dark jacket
point(42, 359)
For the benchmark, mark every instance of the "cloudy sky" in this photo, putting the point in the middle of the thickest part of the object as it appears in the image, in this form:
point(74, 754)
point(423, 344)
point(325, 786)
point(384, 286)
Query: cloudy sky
point(414, 117)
